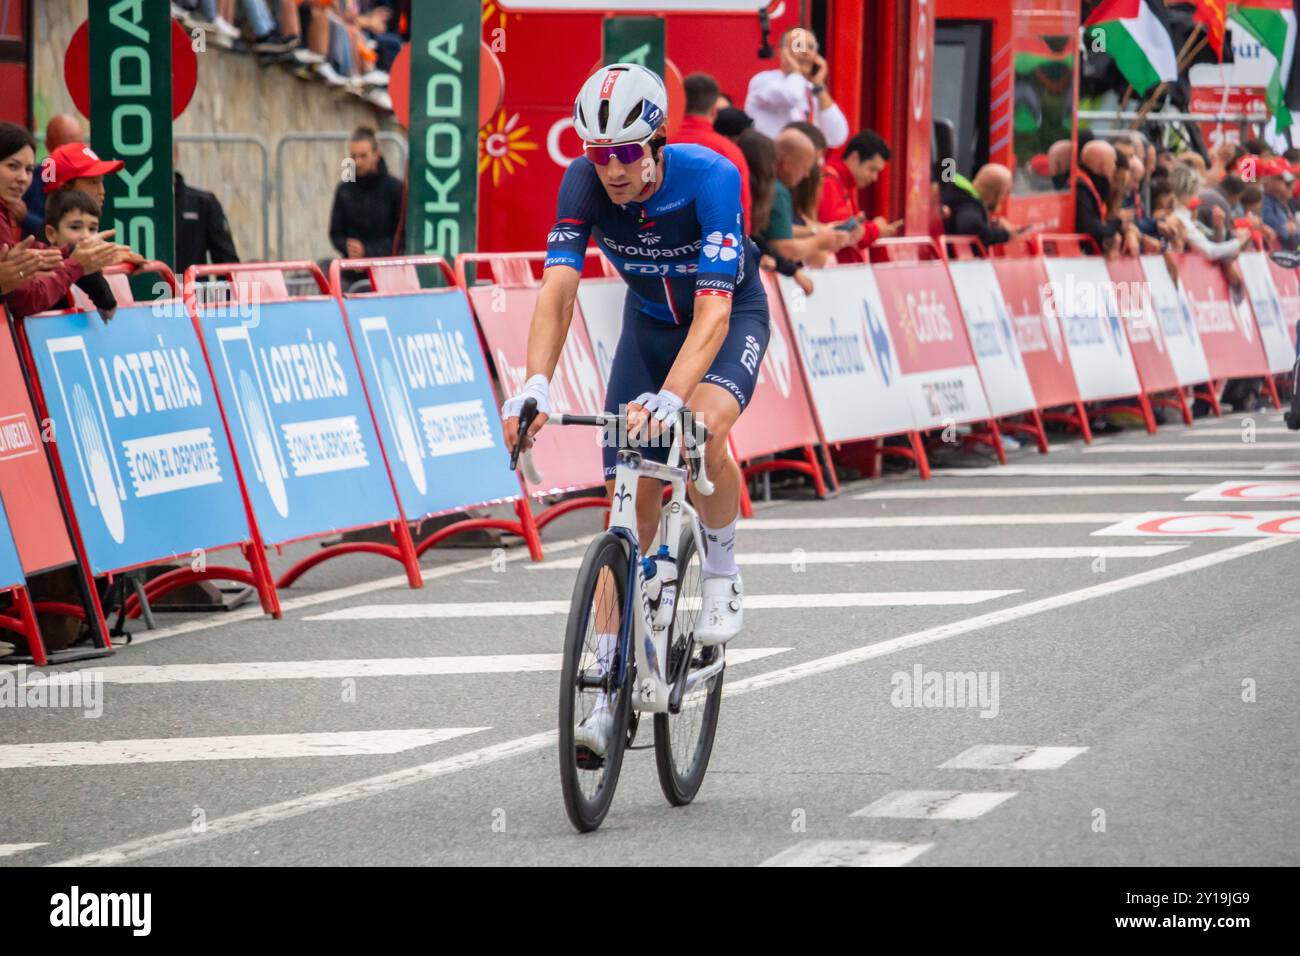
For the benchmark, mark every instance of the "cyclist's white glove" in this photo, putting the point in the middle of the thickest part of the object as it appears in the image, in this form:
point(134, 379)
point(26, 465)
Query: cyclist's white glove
point(537, 387)
point(662, 407)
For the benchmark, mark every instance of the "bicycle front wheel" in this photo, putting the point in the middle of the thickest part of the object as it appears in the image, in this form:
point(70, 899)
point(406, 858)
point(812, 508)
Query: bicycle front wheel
point(590, 691)
point(684, 740)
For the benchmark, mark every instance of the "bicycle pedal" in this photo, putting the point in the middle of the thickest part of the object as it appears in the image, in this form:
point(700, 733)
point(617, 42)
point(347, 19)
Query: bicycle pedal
point(587, 759)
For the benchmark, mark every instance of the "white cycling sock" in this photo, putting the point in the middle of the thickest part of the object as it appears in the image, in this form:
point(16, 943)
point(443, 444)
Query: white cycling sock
point(720, 551)
point(606, 645)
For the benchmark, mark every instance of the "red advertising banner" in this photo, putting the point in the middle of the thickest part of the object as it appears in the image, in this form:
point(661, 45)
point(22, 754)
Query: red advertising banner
point(1145, 337)
point(920, 71)
point(1038, 331)
point(568, 458)
point(779, 415)
point(940, 376)
point(25, 480)
point(1229, 336)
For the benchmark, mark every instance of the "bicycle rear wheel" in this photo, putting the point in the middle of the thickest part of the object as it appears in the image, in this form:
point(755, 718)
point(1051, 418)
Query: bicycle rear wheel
point(684, 740)
point(590, 671)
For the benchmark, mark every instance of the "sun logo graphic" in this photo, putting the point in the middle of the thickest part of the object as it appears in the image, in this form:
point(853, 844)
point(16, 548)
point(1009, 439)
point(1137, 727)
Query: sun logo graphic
point(502, 145)
point(720, 247)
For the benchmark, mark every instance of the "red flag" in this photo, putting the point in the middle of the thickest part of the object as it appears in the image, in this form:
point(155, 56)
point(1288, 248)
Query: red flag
point(1214, 14)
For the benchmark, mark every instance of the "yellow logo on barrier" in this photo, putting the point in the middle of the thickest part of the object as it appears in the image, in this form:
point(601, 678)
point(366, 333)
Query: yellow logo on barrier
point(501, 145)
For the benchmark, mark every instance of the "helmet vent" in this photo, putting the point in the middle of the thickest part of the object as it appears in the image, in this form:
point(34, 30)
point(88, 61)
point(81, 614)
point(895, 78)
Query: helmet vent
point(634, 114)
point(602, 119)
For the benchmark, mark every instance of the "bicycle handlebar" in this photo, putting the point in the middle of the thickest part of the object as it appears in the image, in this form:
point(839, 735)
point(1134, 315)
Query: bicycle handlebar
point(695, 434)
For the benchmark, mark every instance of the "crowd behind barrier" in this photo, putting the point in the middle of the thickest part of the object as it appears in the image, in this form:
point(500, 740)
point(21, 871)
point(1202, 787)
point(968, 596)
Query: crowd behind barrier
point(186, 426)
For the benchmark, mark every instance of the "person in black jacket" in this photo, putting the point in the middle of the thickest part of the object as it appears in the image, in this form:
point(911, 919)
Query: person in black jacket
point(970, 203)
point(367, 206)
point(202, 232)
point(1092, 215)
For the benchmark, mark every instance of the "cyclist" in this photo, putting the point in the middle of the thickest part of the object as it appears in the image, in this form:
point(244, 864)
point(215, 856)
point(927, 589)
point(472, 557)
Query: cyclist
point(695, 319)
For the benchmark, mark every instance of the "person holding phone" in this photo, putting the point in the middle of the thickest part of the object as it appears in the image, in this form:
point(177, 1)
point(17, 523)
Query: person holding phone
point(973, 203)
point(859, 165)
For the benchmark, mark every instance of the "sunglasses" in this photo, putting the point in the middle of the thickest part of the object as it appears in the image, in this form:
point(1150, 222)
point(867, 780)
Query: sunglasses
point(625, 153)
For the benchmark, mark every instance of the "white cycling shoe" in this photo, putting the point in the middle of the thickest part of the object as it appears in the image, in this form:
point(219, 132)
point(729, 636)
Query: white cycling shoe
point(593, 733)
point(722, 610)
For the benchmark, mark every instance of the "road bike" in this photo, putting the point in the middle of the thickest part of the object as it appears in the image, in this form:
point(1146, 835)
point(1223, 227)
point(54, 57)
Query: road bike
point(629, 644)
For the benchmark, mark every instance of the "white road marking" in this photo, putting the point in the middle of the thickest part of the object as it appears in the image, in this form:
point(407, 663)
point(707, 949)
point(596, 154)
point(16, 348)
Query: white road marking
point(288, 605)
point(1230, 522)
point(848, 853)
point(905, 555)
point(366, 667)
point(1042, 491)
point(1087, 469)
point(753, 602)
point(155, 844)
point(1012, 757)
point(935, 804)
point(1244, 429)
point(84, 753)
point(1244, 492)
point(927, 521)
point(1157, 447)
point(11, 849)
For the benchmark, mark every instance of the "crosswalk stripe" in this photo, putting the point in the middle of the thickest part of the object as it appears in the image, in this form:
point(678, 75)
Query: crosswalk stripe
point(11, 849)
point(753, 602)
point(84, 753)
point(1012, 757)
point(909, 555)
point(935, 804)
point(1243, 430)
point(927, 521)
point(1133, 448)
point(368, 667)
point(848, 853)
point(1042, 491)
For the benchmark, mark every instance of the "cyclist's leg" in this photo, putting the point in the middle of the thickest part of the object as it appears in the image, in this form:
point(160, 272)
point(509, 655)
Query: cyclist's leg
point(718, 402)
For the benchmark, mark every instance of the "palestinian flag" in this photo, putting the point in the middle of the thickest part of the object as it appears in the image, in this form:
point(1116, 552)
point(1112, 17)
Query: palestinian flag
point(1273, 24)
point(1136, 39)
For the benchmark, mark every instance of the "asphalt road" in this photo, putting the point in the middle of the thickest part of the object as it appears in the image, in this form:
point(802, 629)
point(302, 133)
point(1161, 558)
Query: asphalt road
point(1136, 699)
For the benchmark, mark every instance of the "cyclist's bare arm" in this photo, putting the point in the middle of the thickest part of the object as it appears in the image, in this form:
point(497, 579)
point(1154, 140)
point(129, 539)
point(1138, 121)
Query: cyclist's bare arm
point(552, 316)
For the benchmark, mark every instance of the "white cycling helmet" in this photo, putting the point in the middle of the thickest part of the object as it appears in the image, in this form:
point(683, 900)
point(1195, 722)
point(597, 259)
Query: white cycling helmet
point(620, 103)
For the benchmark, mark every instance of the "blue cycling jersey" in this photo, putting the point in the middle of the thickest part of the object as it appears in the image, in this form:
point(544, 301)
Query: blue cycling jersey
point(686, 240)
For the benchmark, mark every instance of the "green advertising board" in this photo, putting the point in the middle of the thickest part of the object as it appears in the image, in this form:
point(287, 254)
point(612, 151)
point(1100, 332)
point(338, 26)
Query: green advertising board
point(131, 120)
point(442, 207)
point(635, 40)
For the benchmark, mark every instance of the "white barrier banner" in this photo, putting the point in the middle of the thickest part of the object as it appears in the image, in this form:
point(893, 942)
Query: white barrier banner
point(1182, 341)
point(992, 337)
point(1084, 296)
point(601, 301)
point(1268, 312)
point(850, 361)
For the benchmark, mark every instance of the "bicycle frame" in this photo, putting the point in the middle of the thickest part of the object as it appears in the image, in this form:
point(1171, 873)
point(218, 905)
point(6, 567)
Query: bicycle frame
point(655, 691)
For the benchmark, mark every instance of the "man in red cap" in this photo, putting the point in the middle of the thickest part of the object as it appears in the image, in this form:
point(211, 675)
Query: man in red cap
point(76, 166)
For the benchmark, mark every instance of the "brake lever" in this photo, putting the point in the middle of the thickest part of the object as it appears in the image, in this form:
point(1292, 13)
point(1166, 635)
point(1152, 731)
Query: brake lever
point(527, 415)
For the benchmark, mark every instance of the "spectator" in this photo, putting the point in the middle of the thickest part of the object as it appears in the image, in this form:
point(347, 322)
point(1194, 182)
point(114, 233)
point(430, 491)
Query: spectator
point(1185, 182)
point(367, 208)
point(971, 204)
point(1091, 210)
point(1058, 163)
point(77, 166)
point(55, 269)
point(795, 156)
point(1194, 160)
point(760, 157)
point(796, 91)
point(1218, 204)
point(64, 128)
point(702, 93)
point(859, 165)
point(202, 232)
point(1252, 203)
point(1278, 183)
point(1259, 147)
point(731, 122)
